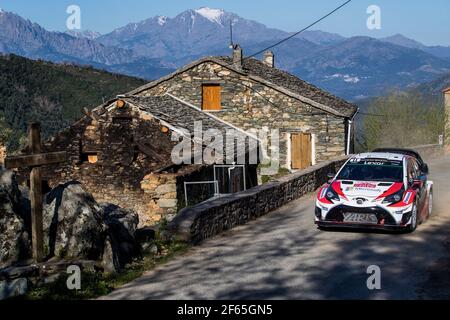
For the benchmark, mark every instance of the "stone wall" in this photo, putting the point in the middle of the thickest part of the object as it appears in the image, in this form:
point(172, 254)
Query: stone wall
point(213, 217)
point(249, 108)
point(162, 190)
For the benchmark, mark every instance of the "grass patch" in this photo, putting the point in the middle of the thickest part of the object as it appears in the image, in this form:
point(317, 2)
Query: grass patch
point(96, 284)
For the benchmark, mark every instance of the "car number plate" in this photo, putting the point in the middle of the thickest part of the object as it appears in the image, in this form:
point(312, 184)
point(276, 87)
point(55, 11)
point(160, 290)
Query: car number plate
point(360, 218)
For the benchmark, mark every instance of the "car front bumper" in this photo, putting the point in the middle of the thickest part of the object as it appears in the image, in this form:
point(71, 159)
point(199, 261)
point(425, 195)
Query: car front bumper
point(347, 225)
point(386, 220)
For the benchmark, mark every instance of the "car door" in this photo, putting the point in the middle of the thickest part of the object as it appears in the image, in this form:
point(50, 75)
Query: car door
point(419, 182)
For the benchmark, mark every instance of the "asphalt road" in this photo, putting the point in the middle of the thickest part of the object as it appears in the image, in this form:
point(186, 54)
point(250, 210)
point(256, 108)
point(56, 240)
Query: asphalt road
point(284, 256)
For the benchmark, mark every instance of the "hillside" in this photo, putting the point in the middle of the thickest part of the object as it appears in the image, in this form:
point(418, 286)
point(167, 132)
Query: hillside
point(27, 39)
point(435, 87)
point(51, 93)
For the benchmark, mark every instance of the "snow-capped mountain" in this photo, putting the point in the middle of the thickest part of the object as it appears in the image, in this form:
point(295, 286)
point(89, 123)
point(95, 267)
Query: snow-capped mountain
point(190, 34)
point(28, 39)
point(86, 34)
point(213, 15)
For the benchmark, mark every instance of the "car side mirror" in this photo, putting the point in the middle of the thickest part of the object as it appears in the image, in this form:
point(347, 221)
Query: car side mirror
point(330, 176)
point(415, 184)
point(425, 169)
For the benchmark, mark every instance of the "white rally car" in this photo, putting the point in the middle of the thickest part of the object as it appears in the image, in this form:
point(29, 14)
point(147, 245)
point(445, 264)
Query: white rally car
point(377, 190)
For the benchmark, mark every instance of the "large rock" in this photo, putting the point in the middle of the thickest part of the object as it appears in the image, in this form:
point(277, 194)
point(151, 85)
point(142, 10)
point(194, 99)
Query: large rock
point(120, 245)
point(73, 223)
point(13, 288)
point(14, 237)
point(76, 227)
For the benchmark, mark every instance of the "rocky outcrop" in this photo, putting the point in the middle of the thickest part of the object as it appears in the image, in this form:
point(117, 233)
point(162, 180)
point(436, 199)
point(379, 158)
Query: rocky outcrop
point(120, 245)
point(76, 227)
point(73, 223)
point(14, 236)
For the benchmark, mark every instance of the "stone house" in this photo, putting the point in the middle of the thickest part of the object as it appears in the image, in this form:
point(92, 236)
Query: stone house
point(313, 124)
point(122, 153)
point(446, 93)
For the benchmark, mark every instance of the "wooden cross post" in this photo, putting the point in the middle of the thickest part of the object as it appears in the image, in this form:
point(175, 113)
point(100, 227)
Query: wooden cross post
point(35, 161)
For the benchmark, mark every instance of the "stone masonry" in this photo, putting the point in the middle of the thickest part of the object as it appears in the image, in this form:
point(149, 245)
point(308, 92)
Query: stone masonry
point(249, 104)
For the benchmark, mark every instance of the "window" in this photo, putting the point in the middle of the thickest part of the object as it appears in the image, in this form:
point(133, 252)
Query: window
point(89, 157)
point(212, 100)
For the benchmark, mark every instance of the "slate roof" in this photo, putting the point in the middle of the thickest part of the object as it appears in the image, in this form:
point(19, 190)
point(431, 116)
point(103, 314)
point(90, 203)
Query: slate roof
point(179, 114)
point(292, 83)
point(281, 80)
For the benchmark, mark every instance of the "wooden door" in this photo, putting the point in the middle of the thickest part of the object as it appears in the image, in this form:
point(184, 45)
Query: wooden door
point(212, 100)
point(236, 176)
point(301, 150)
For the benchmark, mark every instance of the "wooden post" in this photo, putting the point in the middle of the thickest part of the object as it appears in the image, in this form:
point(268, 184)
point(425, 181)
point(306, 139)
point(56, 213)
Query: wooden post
point(35, 161)
point(37, 231)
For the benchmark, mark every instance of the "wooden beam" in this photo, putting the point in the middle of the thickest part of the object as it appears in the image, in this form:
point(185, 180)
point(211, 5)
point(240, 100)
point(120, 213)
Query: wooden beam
point(35, 160)
point(37, 228)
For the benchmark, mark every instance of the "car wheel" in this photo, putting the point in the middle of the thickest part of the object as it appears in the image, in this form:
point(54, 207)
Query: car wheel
point(413, 225)
point(430, 203)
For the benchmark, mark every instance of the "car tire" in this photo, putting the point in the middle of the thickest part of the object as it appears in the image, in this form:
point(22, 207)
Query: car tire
point(414, 217)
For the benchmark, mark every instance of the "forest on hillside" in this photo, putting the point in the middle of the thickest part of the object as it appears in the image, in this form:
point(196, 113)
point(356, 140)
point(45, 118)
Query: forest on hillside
point(402, 119)
point(53, 94)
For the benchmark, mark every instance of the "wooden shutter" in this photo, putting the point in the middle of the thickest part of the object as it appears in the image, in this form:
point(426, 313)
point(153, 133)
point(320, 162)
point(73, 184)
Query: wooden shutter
point(212, 100)
point(301, 151)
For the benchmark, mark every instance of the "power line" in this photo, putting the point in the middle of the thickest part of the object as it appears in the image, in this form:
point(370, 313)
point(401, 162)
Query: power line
point(373, 114)
point(293, 35)
point(280, 42)
point(303, 30)
point(277, 44)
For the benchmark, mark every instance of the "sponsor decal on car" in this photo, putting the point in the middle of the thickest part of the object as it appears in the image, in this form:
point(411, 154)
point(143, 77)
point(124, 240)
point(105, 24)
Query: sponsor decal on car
point(366, 185)
point(360, 218)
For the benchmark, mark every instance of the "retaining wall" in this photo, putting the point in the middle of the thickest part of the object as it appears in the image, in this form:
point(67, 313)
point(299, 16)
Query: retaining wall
point(215, 216)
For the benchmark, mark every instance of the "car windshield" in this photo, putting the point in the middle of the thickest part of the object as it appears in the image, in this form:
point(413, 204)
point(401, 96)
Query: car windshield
point(372, 170)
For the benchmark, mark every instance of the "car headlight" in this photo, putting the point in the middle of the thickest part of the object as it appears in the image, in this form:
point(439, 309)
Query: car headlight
point(331, 195)
point(394, 198)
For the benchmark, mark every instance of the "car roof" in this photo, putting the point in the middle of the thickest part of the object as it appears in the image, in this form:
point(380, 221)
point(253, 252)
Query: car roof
point(381, 155)
point(409, 152)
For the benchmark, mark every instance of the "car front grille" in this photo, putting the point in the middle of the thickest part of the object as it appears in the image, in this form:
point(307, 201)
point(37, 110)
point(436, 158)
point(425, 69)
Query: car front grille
point(337, 214)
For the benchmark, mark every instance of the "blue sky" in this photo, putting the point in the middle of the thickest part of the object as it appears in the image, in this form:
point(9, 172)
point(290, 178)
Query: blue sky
point(426, 21)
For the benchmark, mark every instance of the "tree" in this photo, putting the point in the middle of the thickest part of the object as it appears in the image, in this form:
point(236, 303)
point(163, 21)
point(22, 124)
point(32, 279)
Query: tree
point(403, 119)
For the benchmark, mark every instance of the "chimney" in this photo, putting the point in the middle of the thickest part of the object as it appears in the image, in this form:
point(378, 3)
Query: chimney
point(237, 57)
point(447, 97)
point(269, 59)
point(447, 112)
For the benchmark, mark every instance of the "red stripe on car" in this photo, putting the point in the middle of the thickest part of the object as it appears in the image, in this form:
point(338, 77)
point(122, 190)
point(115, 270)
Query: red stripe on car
point(393, 189)
point(337, 187)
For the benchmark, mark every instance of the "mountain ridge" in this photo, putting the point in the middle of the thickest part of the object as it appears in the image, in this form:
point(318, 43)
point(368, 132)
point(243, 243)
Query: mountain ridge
point(158, 45)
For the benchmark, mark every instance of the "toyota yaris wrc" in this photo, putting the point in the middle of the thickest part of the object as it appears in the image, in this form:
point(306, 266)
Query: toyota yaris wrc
point(377, 190)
